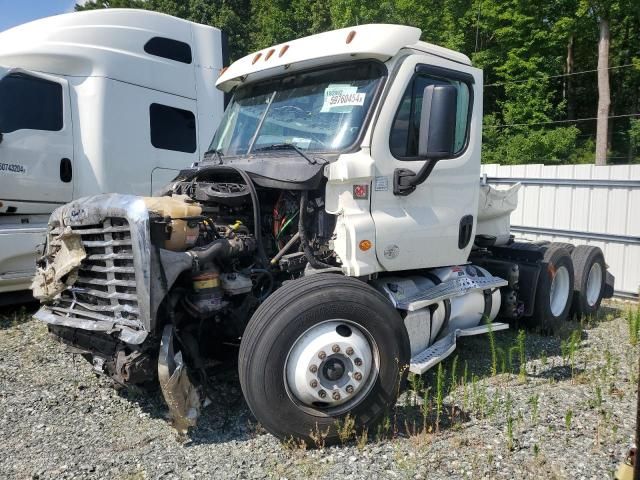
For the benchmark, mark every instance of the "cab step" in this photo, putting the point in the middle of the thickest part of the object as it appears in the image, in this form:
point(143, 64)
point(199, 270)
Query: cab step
point(452, 288)
point(428, 358)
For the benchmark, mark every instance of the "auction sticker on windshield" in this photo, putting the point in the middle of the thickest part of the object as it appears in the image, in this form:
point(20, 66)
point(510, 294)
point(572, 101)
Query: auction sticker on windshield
point(340, 98)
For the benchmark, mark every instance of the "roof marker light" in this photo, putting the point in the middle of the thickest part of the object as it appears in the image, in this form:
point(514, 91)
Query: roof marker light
point(222, 70)
point(352, 34)
point(256, 58)
point(269, 53)
point(283, 50)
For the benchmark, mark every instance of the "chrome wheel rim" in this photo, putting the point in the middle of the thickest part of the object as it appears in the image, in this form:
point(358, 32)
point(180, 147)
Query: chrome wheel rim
point(559, 292)
point(331, 366)
point(594, 284)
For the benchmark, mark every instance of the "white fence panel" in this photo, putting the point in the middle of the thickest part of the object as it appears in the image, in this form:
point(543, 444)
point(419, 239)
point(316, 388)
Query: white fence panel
point(581, 204)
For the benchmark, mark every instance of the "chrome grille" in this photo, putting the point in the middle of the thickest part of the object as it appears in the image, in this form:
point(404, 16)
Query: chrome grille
point(105, 289)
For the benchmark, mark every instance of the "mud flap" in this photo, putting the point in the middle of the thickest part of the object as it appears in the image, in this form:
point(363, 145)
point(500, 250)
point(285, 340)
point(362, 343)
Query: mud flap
point(68, 253)
point(180, 394)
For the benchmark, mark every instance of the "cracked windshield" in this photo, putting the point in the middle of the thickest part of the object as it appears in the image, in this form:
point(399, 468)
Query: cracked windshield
point(320, 111)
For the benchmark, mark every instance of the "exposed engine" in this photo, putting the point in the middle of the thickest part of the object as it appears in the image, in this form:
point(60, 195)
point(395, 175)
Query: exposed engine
point(217, 246)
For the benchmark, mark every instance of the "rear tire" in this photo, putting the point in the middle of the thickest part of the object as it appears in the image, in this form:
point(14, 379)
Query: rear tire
point(590, 276)
point(554, 292)
point(284, 341)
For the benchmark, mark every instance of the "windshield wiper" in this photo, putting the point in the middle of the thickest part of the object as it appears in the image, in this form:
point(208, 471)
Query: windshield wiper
point(216, 152)
point(287, 146)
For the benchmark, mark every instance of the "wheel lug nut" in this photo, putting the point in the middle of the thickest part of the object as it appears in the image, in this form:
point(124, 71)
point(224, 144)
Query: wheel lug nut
point(336, 395)
point(349, 389)
point(313, 369)
point(358, 362)
point(335, 348)
point(322, 355)
point(349, 351)
point(322, 393)
point(313, 383)
point(357, 376)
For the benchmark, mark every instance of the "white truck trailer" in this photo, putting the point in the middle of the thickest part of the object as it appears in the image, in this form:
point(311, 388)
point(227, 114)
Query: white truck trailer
point(92, 102)
point(337, 230)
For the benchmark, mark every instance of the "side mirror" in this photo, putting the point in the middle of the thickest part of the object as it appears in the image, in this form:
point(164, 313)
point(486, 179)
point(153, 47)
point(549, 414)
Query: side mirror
point(1, 137)
point(436, 136)
point(438, 122)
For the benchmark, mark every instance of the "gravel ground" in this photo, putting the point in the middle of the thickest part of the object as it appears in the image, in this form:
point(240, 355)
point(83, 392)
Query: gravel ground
point(571, 416)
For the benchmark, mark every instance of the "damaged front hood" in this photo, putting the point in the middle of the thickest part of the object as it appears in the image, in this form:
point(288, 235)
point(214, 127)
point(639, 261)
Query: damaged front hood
point(273, 170)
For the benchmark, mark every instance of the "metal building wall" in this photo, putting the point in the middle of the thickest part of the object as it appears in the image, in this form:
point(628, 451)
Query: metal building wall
point(581, 204)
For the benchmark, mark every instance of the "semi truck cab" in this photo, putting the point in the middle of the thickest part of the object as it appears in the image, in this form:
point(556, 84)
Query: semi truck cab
point(93, 102)
point(336, 226)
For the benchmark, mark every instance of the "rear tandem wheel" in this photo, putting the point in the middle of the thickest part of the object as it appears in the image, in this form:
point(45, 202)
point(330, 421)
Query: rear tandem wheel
point(554, 291)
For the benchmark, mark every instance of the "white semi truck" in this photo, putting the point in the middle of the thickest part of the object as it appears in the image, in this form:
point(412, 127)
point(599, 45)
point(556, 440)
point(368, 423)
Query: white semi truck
point(336, 230)
point(93, 102)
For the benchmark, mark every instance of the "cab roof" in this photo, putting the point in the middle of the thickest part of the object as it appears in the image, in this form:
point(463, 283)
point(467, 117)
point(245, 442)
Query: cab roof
point(111, 43)
point(375, 41)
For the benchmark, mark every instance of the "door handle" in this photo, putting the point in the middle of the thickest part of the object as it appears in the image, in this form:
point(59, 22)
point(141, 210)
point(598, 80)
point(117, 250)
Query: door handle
point(66, 171)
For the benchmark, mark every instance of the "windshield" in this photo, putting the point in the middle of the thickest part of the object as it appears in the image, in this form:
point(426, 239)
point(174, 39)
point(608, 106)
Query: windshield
point(320, 111)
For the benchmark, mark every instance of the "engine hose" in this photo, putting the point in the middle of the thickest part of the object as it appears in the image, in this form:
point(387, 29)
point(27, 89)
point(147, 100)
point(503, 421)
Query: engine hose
point(308, 253)
point(215, 249)
point(257, 231)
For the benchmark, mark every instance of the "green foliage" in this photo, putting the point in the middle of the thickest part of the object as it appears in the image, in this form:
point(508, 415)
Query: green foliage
point(633, 322)
point(634, 138)
point(521, 46)
point(440, 380)
point(524, 145)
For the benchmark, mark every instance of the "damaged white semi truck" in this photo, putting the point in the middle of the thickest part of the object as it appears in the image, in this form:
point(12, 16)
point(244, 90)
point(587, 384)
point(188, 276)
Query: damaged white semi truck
point(336, 231)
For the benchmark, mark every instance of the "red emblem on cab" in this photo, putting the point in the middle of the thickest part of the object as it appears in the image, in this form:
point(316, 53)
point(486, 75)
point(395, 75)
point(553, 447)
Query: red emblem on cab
point(361, 192)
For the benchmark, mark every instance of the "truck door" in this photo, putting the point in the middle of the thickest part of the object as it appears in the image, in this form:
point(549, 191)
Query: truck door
point(36, 151)
point(433, 225)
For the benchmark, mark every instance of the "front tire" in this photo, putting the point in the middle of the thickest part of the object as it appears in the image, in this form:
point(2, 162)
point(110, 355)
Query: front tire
point(319, 349)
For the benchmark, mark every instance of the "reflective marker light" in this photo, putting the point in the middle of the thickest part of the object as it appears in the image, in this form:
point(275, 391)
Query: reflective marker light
point(365, 245)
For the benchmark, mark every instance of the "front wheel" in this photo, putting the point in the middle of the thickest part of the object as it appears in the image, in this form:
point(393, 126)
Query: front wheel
point(319, 349)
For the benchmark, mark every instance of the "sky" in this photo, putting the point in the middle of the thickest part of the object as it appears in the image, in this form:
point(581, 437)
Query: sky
point(15, 12)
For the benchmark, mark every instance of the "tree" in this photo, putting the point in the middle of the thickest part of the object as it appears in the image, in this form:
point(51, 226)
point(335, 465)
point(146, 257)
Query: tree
point(534, 56)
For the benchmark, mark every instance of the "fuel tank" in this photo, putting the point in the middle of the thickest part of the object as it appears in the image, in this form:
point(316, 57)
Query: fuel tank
point(459, 311)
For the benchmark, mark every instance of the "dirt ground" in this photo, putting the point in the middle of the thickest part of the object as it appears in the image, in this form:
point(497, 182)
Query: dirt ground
point(530, 406)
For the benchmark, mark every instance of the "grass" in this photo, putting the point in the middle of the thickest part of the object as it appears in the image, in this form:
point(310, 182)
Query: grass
point(632, 316)
point(12, 317)
point(346, 429)
point(476, 382)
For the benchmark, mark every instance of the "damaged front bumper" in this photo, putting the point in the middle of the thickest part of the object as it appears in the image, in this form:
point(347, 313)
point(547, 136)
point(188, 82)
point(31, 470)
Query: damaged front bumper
point(102, 245)
point(101, 282)
point(179, 392)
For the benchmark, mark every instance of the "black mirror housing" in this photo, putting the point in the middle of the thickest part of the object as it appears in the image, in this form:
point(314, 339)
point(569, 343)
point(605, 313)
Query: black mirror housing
point(436, 136)
point(438, 122)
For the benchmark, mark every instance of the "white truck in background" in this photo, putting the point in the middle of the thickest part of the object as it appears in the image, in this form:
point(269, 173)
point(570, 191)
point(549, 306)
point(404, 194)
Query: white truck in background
point(113, 100)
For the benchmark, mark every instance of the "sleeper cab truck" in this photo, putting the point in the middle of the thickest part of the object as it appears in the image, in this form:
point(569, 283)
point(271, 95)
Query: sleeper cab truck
point(91, 102)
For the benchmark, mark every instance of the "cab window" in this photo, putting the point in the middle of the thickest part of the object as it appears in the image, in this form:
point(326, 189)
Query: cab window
point(172, 128)
point(28, 102)
point(403, 141)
